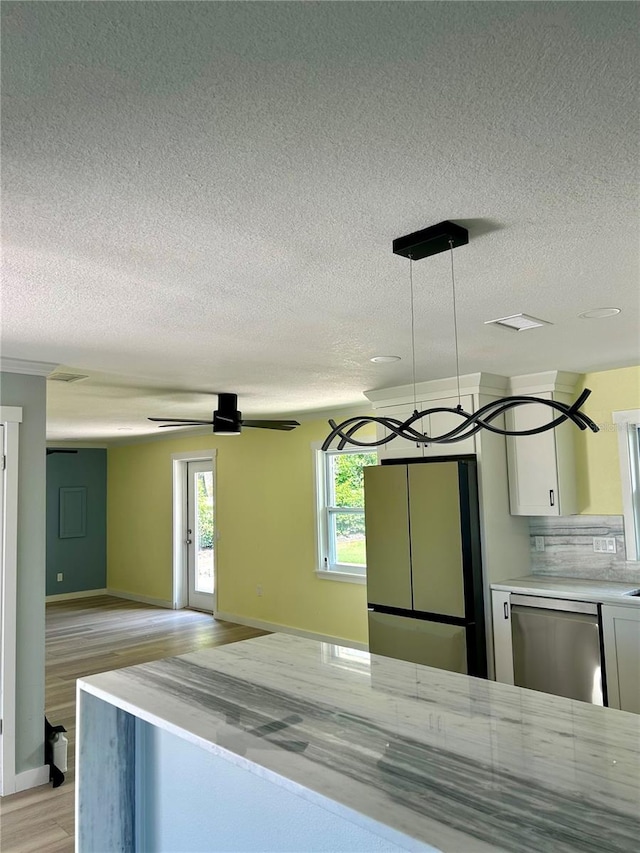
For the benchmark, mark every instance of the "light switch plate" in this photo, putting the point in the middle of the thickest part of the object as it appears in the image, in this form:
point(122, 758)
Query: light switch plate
point(604, 544)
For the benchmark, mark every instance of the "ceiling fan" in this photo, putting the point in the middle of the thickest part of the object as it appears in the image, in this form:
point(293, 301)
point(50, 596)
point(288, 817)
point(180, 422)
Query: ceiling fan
point(227, 420)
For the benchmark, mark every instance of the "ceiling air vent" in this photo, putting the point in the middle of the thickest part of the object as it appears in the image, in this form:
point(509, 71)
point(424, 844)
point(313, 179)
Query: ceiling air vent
point(66, 377)
point(518, 322)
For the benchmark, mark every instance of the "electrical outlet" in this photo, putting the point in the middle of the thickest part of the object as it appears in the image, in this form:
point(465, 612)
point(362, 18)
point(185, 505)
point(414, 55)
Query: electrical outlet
point(259, 589)
point(604, 544)
point(59, 576)
point(539, 543)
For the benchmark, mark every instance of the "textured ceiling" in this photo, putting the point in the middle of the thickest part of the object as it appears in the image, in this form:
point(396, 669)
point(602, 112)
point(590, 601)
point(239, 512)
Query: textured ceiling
point(201, 197)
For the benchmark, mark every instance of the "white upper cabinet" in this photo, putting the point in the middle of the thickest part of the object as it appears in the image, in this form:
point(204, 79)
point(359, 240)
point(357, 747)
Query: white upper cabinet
point(442, 422)
point(435, 424)
point(542, 477)
point(400, 448)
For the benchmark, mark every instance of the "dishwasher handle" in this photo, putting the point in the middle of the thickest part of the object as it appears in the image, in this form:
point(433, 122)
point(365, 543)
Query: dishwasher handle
point(555, 604)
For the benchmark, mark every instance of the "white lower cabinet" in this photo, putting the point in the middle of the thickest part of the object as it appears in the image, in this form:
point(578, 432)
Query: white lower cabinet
point(502, 644)
point(621, 637)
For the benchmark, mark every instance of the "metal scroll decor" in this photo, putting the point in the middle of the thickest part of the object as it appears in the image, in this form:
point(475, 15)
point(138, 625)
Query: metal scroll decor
point(470, 423)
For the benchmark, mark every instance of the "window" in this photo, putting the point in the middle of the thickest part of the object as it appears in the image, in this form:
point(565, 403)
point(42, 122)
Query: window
point(627, 425)
point(340, 493)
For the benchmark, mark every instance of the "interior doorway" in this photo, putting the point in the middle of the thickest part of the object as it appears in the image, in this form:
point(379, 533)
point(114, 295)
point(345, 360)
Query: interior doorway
point(200, 536)
point(10, 781)
point(1, 603)
point(195, 530)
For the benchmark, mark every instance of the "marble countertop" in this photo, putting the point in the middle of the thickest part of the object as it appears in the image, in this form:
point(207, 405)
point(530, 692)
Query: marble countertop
point(576, 589)
point(455, 762)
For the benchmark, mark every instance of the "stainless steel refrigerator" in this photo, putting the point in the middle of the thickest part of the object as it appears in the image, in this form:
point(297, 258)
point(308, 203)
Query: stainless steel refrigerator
point(424, 568)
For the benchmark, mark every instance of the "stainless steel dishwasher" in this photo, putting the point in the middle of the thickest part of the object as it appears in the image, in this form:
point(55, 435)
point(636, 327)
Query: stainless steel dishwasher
point(557, 648)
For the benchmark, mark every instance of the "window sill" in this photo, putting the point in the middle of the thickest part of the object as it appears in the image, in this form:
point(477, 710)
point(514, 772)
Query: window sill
point(343, 577)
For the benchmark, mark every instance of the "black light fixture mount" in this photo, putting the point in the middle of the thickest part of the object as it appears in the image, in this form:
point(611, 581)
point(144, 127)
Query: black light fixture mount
point(422, 244)
point(431, 241)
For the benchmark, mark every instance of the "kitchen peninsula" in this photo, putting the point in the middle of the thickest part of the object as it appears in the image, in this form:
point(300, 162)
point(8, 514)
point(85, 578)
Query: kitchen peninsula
point(283, 743)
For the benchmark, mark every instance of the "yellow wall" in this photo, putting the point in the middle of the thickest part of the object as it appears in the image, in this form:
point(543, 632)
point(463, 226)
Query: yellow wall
point(598, 466)
point(266, 521)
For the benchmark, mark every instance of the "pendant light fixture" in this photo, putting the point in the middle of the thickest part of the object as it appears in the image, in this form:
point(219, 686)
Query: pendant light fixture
point(446, 236)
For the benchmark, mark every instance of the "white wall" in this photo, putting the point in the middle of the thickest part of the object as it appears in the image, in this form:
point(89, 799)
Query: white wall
point(29, 393)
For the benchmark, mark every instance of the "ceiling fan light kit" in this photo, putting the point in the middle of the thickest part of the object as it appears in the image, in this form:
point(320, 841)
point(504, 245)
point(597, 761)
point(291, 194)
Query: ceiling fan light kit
point(227, 420)
point(422, 244)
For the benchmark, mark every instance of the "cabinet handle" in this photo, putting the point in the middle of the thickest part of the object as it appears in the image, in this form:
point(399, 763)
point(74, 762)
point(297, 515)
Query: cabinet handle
point(506, 609)
point(552, 499)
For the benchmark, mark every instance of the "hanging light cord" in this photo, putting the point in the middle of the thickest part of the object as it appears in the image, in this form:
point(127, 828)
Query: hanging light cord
point(470, 423)
point(413, 335)
point(455, 322)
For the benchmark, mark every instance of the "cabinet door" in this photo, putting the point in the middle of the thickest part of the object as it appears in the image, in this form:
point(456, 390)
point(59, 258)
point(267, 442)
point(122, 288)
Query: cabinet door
point(502, 643)
point(621, 637)
point(386, 513)
point(441, 422)
point(533, 474)
point(399, 448)
point(436, 547)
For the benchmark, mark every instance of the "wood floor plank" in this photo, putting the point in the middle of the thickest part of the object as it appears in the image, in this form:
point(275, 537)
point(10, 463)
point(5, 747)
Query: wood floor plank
point(83, 637)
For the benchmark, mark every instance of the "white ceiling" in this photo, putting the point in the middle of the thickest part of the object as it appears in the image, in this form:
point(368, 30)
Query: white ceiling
point(201, 197)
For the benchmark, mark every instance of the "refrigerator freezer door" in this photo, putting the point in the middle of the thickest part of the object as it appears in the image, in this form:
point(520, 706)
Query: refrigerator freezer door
point(418, 641)
point(436, 545)
point(386, 513)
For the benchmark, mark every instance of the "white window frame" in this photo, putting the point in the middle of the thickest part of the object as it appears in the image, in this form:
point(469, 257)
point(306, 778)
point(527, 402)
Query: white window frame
point(628, 429)
point(326, 567)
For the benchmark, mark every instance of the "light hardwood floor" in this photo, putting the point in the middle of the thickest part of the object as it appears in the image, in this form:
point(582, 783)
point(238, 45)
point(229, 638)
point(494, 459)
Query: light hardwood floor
point(85, 636)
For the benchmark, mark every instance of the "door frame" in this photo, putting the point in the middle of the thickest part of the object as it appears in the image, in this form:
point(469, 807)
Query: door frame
point(180, 592)
point(11, 418)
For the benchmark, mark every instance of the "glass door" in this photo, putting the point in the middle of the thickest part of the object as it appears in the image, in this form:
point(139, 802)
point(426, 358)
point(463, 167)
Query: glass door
point(200, 538)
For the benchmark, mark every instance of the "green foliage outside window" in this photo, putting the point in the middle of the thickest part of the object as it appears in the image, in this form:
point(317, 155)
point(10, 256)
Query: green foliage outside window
point(348, 484)
point(205, 515)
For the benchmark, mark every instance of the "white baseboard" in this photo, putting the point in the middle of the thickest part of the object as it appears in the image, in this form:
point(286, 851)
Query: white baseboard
point(32, 778)
point(85, 593)
point(143, 599)
point(287, 629)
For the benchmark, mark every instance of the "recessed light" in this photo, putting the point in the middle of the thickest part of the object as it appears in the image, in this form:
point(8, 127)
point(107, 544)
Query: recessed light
point(384, 359)
point(599, 313)
point(125, 429)
point(519, 322)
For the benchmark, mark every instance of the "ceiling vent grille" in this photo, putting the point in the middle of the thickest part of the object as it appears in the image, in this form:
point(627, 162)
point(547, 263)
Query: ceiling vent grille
point(66, 377)
point(518, 322)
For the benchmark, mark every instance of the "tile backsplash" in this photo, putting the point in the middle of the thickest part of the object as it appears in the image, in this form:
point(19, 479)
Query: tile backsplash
point(568, 548)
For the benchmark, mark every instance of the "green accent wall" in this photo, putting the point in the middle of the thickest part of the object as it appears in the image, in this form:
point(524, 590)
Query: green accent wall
point(597, 461)
point(265, 513)
point(82, 560)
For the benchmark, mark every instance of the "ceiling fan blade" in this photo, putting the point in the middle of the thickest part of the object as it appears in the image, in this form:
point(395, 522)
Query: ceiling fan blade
point(283, 425)
point(169, 421)
point(179, 426)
